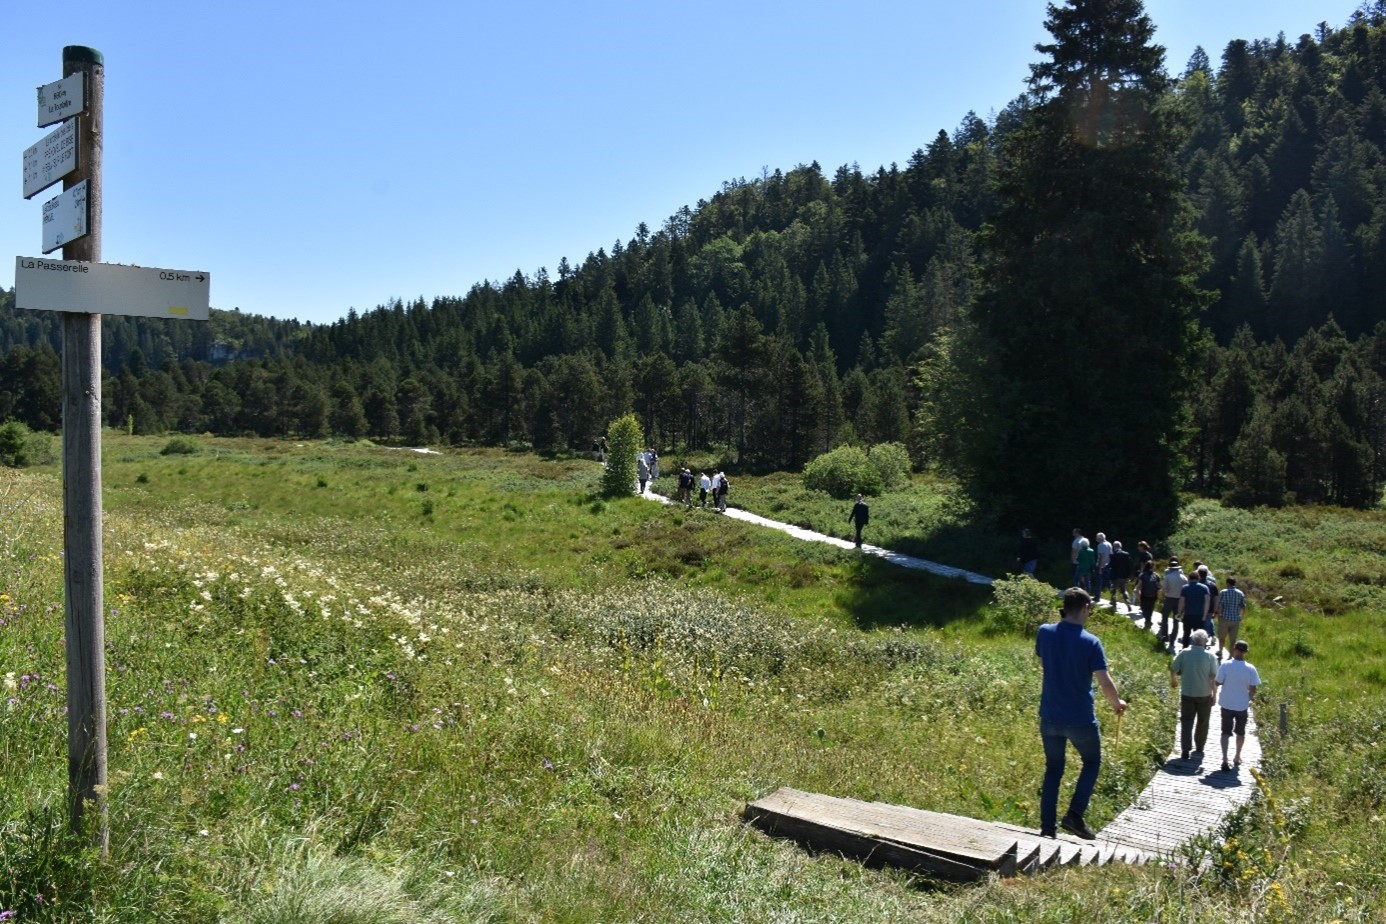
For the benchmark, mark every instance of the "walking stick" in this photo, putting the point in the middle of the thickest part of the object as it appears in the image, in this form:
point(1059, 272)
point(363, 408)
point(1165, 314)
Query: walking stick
point(1116, 736)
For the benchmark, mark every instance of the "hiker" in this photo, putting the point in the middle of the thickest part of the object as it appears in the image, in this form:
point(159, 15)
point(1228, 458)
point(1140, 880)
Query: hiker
point(1028, 556)
point(1070, 658)
point(1078, 543)
point(723, 485)
point(704, 485)
point(1083, 567)
point(602, 459)
point(1120, 571)
point(1104, 566)
point(1229, 608)
point(642, 469)
point(1192, 673)
point(1174, 582)
point(1237, 681)
point(685, 494)
point(1148, 585)
point(1143, 555)
point(860, 515)
point(1195, 601)
point(1205, 574)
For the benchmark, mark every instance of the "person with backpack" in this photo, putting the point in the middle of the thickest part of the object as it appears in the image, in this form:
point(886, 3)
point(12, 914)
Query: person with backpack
point(1119, 567)
point(1148, 586)
point(723, 485)
point(1195, 603)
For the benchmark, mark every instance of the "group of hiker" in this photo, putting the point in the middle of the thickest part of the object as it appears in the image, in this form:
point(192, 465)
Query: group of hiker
point(717, 485)
point(1071, 658)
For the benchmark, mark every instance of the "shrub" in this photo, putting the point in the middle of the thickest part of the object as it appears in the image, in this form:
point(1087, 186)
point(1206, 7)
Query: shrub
point(624, 438)
point(20, 446)
point(843, 472)
point(1020, 604)
point(180, 446)
point(892, 461)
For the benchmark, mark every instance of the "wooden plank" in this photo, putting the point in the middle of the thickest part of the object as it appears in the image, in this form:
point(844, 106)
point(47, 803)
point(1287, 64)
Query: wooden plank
point(865, 848)
point(955, 832)
point(964, 840)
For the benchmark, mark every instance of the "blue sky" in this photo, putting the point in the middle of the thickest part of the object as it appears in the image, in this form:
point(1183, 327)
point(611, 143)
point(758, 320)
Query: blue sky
point(318, 157)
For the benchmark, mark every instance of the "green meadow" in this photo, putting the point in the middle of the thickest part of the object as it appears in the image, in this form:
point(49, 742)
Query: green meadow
point(347, 683)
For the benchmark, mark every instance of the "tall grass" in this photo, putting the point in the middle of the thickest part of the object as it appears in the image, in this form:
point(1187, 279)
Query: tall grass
point(532, 704)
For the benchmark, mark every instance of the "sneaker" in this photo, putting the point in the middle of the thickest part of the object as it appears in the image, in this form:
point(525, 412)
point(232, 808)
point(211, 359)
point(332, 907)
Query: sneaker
point(1183, 755)
point(1226, 765)
point(1077, 827)
point(1049, 833)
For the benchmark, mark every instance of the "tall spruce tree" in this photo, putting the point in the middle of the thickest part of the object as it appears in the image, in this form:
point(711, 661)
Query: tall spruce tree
point(1083, 331)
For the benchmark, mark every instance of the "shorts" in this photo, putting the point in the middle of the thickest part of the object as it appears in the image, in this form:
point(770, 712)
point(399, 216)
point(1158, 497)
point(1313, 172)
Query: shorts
point(1234, 722)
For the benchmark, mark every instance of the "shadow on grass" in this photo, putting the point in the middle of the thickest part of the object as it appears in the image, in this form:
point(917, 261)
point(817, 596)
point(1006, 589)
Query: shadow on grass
point(881, 594)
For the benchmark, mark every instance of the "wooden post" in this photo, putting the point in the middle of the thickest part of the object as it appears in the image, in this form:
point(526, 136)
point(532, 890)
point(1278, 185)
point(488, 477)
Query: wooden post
point(81, 377)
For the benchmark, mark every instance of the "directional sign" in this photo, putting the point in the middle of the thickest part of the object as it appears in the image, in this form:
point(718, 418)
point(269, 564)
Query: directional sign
point(111, 288)
point(51, 159)
point(65, 217)
point(60, 100)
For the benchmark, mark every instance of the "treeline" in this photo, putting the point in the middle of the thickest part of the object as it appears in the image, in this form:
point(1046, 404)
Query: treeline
point(1305, 425)
point(789, 313)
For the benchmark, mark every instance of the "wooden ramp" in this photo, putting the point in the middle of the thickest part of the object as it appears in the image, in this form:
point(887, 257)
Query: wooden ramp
point(944, 846)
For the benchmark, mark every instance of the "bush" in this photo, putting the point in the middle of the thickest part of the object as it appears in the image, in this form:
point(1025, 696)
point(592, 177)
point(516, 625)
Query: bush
point(843, 472)
point(624, 439)
point(1020, 604)
point(21, 447)
point(180, 446)
point(892, 461)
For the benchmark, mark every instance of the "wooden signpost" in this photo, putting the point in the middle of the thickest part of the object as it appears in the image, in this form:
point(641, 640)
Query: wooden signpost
point(82, 288)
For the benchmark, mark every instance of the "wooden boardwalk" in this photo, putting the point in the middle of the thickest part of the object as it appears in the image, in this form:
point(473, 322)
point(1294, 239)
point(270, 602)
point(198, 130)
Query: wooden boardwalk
point(1184, 800)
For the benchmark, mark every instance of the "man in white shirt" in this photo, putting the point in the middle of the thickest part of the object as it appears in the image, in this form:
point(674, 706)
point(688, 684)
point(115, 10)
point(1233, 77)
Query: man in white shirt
point(1236, 681)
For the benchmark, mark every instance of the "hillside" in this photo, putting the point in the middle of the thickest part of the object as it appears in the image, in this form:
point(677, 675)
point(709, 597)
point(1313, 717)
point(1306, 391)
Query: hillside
point(788, 313)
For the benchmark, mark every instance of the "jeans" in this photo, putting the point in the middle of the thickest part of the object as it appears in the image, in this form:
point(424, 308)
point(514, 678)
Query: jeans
point(1087, 741)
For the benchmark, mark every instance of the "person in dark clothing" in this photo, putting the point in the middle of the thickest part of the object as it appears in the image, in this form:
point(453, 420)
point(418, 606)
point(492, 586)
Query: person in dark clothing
point(1194, 601)
point(860, 515)
point(1121, 573)
point(1028, 556)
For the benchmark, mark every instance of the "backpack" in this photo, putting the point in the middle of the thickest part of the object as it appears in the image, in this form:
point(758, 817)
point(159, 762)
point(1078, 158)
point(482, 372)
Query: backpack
point(1150, 584)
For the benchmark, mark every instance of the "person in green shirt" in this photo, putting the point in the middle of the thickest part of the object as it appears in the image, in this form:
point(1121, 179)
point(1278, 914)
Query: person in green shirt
point(1192, 672)
point(1084, 566)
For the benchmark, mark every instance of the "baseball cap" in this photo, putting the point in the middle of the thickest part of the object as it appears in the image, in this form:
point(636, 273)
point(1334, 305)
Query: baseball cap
point(1240, 645)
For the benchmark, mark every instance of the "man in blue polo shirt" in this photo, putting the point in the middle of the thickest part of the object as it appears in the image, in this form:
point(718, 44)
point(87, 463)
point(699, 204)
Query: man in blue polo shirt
point(1071, 657)
point(1194, 604)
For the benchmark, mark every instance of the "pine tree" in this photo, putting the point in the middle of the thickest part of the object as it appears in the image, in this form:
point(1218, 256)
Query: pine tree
point(1085, 320)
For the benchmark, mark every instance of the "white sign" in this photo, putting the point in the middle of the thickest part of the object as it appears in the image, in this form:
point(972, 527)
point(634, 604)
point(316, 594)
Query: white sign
point(51, 159)
point(65, 217)
point(111, 288)
point(60, 100)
